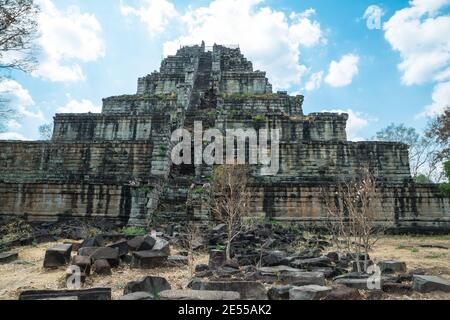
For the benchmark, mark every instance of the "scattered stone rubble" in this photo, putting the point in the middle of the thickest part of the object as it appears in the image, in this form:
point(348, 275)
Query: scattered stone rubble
point(269, 262)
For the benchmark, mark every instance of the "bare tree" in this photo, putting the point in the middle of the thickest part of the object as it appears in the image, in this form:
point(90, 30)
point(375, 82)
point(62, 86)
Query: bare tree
point(18, 30)
point(423, 150)
point(191, 238)
point(5, 113)
point(46, 131)
point(230, 200)
point(353, 219)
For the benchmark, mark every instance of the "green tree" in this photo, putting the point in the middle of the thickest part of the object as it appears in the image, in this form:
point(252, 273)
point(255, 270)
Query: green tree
point(445, 187)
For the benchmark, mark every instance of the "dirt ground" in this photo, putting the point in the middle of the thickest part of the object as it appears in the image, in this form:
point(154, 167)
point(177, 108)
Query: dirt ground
point(27, 273)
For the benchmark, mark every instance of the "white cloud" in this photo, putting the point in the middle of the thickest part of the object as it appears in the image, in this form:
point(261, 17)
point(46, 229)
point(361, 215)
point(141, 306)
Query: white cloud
point(156, 14)
point(373, 15)
point(421, 37)
point(83, 106)
point(271, 38)
point(12, 136)
point(314, 82)
point(67, 38)
point(341, 73)
point(355, 124)
point(441, 100)
point(13, 124)
point(19, 99)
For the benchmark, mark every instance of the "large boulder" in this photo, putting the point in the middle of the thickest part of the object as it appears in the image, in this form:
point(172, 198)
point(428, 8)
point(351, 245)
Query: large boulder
point(57, 256)
point(311, 292)
point(199, 295)
point(427, 284)
point(152, 285)
point(148, 259)
point(248, 290)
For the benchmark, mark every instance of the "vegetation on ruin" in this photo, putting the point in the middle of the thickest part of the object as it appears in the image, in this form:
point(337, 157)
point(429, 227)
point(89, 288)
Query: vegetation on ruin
point(134, 231)
point(142, 191)
point(144, 97)
point(445, 187)
point(248, 96)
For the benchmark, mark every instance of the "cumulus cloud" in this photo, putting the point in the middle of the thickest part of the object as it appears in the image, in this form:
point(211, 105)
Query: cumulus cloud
point(13, 124)
point(355, 124)
point(19, 99)
point(314, 82)
point(272, 39)
point(441, 100)
point(82, 106)
point(373, 15)
point(67, 38)
point(156, 14)
point(341, 73)
point(419, 34)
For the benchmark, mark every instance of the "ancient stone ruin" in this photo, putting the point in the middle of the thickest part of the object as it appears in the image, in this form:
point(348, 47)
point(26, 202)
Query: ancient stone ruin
point(117, 164)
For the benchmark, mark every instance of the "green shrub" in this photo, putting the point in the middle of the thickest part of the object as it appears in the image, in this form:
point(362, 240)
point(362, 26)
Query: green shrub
point(134, 231)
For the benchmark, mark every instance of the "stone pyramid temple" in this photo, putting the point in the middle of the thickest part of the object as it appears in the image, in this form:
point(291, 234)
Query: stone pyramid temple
point(117, 164)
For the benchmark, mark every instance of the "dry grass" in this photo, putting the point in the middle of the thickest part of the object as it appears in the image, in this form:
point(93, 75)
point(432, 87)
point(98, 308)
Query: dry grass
point(28, 274)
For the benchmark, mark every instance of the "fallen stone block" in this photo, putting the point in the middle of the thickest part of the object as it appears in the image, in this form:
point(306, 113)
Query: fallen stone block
point(148, 259)
point(162, 245)
point(272, 258)
point(311, 292)
point(248, 290)
point(97, 241)
point(57, 256)
point(8, 257)
point(177, 261)
point(279, 292)
point(87, 294)
point(147, 244)
point(217, 258)
point(102, 253)
point(362, 284)
point(122, 246)
point(341, 292)
point(311, 263)
point(84, 263)
point(101, 267)
point(152, 285)
point(426, 284)
point(394, 287)
point(199, 295)
point(134, 244)
point(392, 266)
point(137, 296)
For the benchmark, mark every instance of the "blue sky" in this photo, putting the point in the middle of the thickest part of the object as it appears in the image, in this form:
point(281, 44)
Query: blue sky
point(334, 54)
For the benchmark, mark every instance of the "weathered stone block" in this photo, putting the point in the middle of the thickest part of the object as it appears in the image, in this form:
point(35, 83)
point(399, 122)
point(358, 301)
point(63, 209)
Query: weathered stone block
point(148, 259)
point(427, 284)
point(198, 295)
point(57, 256)
point(152, 285)
point(311, 292)
point(7, 257)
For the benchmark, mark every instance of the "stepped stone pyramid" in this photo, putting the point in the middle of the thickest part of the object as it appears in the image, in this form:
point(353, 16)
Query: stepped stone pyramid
point(117, 164)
